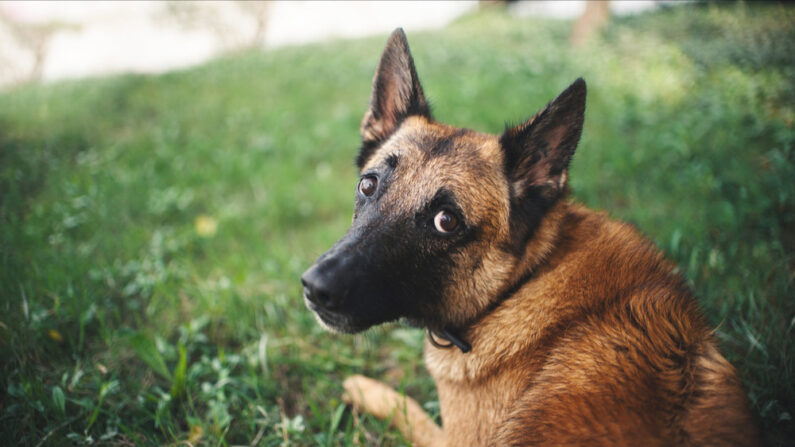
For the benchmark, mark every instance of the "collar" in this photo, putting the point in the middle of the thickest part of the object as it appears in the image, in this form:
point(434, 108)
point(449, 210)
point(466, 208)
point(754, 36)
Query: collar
point(454, 340)
point(451, 335)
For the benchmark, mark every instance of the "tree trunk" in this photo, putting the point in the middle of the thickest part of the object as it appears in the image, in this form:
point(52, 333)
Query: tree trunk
point(593, 19)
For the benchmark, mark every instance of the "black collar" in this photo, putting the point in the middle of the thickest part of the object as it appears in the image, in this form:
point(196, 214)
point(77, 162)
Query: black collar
point(452, 338)
point(450, 334)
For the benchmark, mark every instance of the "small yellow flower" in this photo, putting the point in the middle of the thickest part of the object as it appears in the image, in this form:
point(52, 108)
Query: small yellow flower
point(195, 435)
point(55, 335)
point(206, 226)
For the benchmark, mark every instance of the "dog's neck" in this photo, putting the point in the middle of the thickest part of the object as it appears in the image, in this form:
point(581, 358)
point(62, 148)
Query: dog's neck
point(518, 325)
point(537, 250)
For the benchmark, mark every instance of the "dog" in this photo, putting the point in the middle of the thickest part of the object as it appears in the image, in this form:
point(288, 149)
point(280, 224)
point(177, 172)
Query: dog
point(548, 324)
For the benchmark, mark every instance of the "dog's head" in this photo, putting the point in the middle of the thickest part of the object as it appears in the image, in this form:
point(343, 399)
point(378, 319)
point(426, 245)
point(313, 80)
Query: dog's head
point(442, 215)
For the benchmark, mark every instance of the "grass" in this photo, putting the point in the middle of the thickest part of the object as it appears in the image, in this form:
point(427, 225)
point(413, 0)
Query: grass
point(153, 228)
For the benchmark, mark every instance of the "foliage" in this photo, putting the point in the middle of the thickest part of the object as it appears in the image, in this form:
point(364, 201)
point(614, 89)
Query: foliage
point(153, 228)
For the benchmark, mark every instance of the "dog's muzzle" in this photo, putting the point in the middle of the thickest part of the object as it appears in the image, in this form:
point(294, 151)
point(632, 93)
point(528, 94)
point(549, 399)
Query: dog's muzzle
point(318, 289)
point(329, 283)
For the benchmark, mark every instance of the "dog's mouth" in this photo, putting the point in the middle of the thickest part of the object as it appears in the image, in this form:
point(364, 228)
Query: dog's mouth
point(334, 321)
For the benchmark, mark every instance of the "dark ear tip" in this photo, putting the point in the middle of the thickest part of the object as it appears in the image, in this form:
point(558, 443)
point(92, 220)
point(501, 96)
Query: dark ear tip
point(573, 98)
point(397, 36)
point(577, 88)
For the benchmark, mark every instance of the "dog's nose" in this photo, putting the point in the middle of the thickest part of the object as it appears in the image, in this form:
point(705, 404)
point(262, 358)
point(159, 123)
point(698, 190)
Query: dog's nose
point(317, 290)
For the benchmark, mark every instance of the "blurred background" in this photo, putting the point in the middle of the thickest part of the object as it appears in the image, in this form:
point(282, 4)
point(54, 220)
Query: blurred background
point(51, 40)
point(168, 170)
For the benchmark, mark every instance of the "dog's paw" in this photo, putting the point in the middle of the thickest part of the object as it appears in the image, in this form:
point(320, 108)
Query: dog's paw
point(370, 395)
point(367, 395)
point(356, 388)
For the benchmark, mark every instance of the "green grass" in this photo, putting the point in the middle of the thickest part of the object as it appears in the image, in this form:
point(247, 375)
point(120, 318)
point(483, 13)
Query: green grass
point(125, 319)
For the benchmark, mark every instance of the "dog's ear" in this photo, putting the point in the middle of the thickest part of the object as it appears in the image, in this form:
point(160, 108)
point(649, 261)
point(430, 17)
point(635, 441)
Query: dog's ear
point(537, 156)
point(538, 152)
point(397, 94)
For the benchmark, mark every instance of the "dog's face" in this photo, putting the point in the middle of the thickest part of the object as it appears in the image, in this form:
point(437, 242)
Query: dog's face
point(442, 214)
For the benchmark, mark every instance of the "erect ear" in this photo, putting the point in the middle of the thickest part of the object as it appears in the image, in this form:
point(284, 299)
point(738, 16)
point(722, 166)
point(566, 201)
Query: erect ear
point(538, 152)
point(397, 94)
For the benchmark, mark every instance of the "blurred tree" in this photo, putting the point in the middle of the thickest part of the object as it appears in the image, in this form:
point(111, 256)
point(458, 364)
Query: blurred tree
point(220, 19)
point(33, 40)
point(593, 19)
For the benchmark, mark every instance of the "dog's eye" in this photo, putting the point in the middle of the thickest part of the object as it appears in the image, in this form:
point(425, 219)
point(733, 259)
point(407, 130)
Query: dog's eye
point(368, 184)
point(445, 222)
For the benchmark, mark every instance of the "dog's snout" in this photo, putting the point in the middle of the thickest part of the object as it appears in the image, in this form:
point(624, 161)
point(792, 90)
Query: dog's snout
point(327, 283)
point(318, 290)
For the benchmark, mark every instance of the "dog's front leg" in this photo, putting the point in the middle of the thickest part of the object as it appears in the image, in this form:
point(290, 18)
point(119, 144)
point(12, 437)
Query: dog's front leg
point(374, 397)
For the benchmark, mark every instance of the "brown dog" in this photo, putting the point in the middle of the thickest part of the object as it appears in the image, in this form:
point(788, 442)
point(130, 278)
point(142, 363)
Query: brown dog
point(548, 324)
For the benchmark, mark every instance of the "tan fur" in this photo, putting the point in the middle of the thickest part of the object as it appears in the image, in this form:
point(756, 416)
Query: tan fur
point(602, 346)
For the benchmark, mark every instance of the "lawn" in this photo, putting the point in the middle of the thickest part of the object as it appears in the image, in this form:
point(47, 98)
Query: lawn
point(153, 229)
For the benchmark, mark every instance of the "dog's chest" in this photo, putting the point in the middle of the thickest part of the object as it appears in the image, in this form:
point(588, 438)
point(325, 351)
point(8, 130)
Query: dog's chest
point(472, 411)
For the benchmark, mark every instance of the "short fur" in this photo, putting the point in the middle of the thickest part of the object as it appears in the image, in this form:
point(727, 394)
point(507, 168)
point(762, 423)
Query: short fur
point(581, 333)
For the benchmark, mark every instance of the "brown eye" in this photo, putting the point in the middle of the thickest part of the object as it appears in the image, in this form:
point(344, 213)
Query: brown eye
point(445, 221)
point(368, 184)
